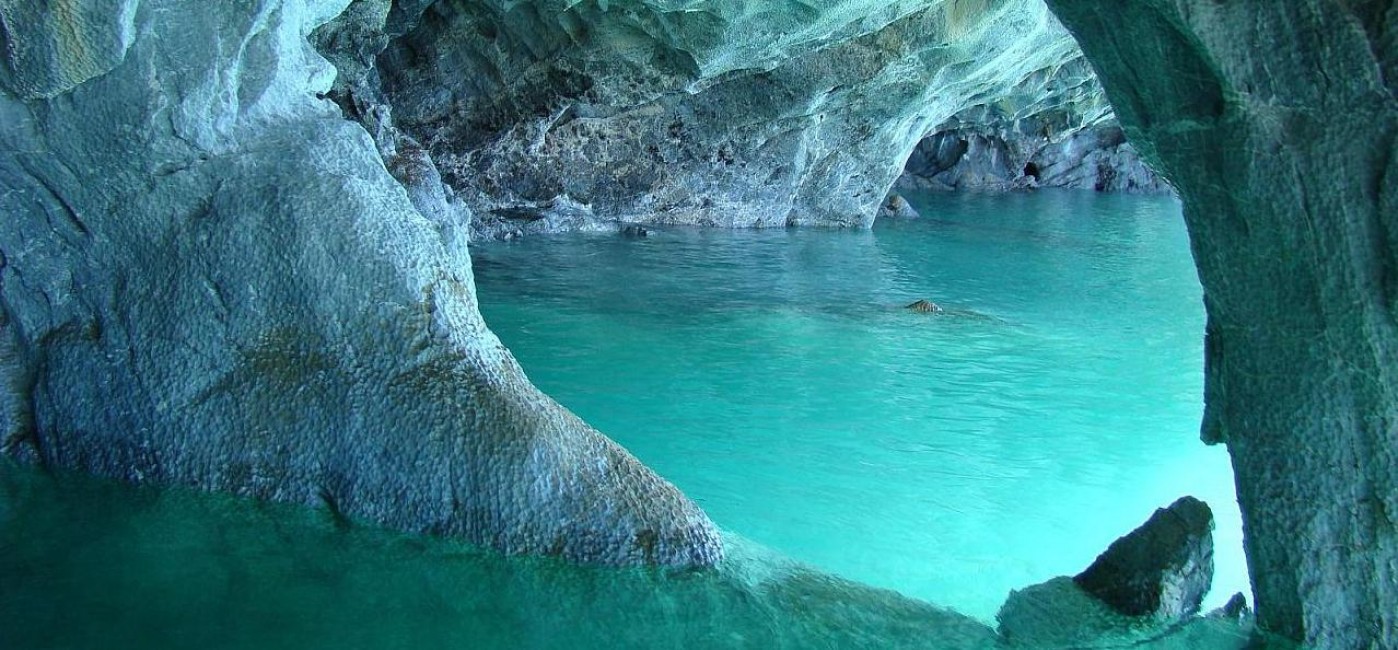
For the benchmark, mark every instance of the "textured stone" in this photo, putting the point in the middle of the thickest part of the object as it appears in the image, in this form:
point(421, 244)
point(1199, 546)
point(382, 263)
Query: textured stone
point(1163, 569)
point(1154, 576)
point(1278, 124)
point(209, 277)
point(729, 114)
point(1053, 129)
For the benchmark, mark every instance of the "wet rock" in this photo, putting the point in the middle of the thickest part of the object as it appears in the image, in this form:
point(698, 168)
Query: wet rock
point(1162, 569)
point(897, 207)
point(924, 307)
point(1235, 609)
point(1278, 124)
point(634, 231)
point(1154, 576)
point(211, 278)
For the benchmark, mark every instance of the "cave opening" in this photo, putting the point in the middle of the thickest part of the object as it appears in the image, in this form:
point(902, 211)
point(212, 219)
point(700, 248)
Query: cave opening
point(301, 324)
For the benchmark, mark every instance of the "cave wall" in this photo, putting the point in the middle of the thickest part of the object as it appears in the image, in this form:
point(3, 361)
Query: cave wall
point(1278, 124)
point(983, 150)
point(553, 115)
point(208, 277)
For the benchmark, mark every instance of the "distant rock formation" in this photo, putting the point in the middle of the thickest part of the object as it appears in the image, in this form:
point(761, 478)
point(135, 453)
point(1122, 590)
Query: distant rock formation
point(740, 115)
point(997, 153)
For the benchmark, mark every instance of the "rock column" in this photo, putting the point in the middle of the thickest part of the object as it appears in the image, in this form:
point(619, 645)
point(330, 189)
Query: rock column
point(1277, 123)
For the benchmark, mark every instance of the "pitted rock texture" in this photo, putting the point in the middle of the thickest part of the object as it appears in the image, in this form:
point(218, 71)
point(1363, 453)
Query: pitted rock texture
point(1278, 124)
point(1163, 569)
point(551, 115)
point(208, 277)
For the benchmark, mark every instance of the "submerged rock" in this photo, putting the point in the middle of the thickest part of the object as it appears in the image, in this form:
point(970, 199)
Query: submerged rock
point(1162, 569)
point(1058, 614)
point(1155, 575)
point(924, 307)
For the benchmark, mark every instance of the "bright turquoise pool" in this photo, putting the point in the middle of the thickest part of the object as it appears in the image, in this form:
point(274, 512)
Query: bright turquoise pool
point(772, 377)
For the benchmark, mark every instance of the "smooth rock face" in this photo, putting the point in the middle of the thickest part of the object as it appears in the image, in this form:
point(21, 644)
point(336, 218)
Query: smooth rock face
point(552, 115)
point(209, 277)
point(1278, 124)
point(1163, 569)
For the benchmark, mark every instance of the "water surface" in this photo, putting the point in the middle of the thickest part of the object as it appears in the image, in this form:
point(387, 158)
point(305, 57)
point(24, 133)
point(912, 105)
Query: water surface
point(843, 443)
point(772, 376)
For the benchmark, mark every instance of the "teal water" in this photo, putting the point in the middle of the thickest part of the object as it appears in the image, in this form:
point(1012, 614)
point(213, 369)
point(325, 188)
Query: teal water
point(842, 443)
point(771, 376)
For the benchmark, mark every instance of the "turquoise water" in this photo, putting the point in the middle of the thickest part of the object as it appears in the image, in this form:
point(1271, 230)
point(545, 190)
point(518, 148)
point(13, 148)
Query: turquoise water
point(771, 376)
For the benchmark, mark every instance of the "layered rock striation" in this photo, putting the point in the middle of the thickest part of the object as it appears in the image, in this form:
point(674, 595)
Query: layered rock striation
point(209, 277)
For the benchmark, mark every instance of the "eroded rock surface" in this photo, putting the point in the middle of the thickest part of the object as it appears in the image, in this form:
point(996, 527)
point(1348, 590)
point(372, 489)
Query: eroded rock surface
point(553, 115)
point(209, 277)
point(1053, 129)
point(1278, 124)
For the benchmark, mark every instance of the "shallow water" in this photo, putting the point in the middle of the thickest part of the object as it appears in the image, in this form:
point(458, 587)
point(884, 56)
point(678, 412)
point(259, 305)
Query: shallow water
point(772, 377)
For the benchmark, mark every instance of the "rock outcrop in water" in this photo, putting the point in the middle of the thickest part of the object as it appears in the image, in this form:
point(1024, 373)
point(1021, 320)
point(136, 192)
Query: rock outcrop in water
point(1159, 572)
point(208, 277)
point(999, 154)
point(1278, 124)
point(1162, 569)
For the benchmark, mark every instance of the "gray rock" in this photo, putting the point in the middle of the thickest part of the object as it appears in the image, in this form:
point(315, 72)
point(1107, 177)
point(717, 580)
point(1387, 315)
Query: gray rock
point(987, 152)
point(1163, 569)
point(1278, 124)
point(1235, 609)
point(210, 278)
point(796, 114)
point(1154, 576)
point(897, 207)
